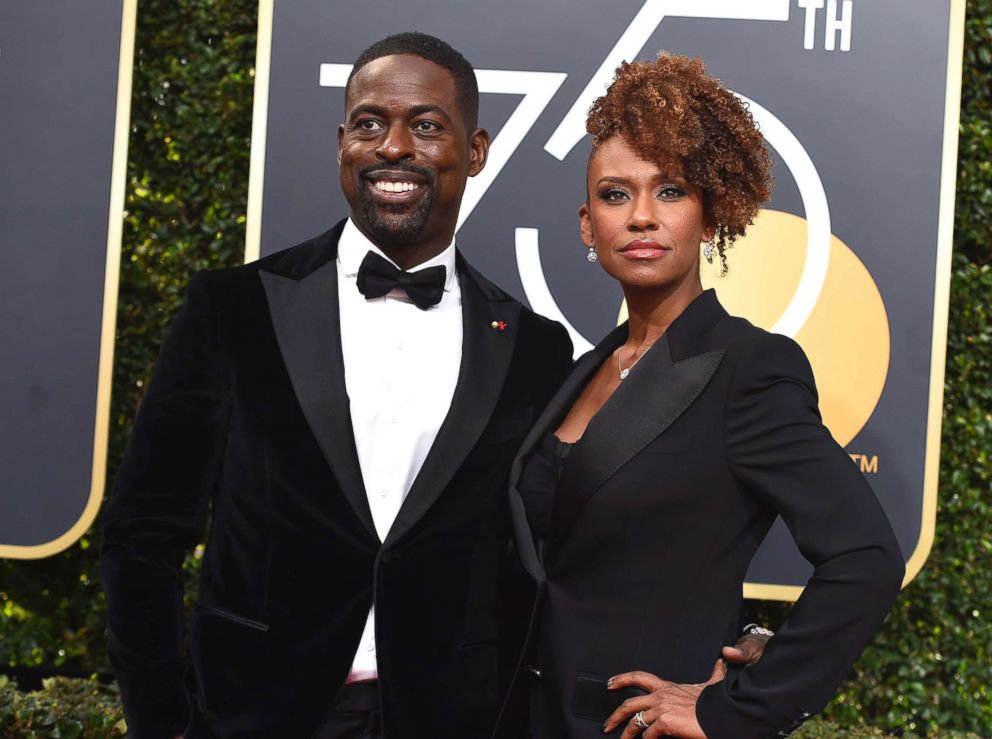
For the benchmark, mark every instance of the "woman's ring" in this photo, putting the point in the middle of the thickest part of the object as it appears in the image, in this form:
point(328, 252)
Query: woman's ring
point(639, 720)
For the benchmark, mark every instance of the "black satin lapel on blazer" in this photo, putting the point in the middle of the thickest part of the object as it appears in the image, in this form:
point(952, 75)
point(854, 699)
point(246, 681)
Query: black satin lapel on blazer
point(306, 318)
point(549, 420)
point(486, 355)
point(655, 394)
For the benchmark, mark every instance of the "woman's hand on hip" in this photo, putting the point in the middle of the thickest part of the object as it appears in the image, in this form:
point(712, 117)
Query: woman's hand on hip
point(668, 710)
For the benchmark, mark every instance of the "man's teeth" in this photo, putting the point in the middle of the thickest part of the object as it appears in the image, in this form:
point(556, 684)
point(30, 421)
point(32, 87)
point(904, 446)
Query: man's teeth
point(386, 186)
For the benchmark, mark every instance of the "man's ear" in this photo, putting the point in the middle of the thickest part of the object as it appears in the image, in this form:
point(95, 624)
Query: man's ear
point(478, 142)
point(340, 141)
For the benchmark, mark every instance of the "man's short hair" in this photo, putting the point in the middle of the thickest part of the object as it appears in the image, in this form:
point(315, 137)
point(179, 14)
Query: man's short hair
point(433, 50)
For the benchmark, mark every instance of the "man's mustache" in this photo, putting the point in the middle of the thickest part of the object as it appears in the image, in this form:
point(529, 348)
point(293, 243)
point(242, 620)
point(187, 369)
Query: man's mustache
point(427, 174)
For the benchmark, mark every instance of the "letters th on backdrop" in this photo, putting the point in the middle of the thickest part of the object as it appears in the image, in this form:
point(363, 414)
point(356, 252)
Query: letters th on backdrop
point(65, 71)
point(857, 98)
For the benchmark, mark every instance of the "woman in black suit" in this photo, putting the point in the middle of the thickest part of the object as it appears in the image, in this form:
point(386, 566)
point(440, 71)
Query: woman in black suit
point(650, 480)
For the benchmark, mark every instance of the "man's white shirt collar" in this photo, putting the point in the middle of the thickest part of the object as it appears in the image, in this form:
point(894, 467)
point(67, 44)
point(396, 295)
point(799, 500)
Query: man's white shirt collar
point(353, 246)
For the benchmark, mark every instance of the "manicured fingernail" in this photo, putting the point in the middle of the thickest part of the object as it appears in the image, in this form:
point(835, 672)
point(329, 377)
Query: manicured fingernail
point(609, 683)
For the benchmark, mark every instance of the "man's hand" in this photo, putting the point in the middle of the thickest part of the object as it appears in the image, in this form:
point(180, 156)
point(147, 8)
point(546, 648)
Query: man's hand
point(747, 651)
point(669, 709)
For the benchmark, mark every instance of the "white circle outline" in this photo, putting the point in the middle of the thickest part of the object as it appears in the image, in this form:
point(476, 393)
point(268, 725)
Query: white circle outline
point(819, 234)
point(818, 229)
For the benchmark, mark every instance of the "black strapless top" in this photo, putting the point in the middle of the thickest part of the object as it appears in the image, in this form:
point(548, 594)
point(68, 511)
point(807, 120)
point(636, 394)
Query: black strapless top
point(538, 479)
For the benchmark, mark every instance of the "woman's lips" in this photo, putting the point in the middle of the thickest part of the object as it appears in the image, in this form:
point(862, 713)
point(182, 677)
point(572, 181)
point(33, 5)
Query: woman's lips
point(644, 250)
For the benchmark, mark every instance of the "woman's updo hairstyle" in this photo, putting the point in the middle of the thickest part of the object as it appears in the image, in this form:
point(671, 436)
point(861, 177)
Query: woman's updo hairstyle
point(672, 105)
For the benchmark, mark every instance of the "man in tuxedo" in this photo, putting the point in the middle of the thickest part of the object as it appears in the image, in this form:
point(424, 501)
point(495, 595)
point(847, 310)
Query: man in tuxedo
point(346, 410)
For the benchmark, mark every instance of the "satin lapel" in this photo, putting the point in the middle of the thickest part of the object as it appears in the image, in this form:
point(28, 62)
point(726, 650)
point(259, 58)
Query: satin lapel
point(549, 420)
point(306, 318)
point(655, 394)
point(486, 355)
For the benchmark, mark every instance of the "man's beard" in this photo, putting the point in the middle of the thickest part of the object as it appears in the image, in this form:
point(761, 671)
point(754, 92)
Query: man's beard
point(405, 227)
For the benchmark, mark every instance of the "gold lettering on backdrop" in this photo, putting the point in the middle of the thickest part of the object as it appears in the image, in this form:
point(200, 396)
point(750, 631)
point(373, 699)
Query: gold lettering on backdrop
point(868, 463)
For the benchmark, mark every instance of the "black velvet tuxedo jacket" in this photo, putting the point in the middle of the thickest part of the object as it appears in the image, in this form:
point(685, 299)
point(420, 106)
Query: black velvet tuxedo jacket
point(247, 417)
point(659, 509)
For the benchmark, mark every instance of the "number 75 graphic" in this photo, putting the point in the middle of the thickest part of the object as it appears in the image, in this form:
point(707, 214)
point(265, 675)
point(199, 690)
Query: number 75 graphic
point(538, 88)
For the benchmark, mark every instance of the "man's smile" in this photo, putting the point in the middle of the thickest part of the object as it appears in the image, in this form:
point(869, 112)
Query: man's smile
point(395, 186)
point(386, 186)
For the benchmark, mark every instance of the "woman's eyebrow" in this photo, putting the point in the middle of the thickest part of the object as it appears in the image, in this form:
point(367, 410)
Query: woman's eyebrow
point(612, 180)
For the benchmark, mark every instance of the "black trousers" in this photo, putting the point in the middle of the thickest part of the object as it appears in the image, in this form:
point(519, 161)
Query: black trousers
point(354, 714)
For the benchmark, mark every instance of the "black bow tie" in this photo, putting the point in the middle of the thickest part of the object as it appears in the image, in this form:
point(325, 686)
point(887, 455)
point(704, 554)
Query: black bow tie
point(377, 276)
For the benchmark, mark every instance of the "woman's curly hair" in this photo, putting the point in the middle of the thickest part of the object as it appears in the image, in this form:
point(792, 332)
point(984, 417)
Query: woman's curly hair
point(673, 105)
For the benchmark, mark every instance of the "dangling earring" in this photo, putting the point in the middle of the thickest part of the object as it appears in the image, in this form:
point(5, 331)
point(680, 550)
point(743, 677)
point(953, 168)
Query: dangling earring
point(591, 256)
point(709, 249)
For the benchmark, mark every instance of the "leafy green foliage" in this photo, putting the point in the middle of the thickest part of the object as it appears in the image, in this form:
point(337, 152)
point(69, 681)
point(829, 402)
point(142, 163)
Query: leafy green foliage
point(926, 673)
point(819, 729)
point(973, 222)
point(62, 709)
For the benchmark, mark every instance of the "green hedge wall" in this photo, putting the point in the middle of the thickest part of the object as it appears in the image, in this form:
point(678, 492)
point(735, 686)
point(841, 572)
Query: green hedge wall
point(927, 672)
point(62, 709)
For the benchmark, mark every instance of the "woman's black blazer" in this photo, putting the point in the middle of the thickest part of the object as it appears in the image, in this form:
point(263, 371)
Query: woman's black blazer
point(659, 510)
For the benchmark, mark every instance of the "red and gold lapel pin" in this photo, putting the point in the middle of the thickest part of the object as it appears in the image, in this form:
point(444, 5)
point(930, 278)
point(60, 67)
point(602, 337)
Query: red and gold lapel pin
point(498, 325)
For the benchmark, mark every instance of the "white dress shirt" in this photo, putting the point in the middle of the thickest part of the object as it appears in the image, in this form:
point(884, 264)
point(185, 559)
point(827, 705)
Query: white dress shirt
point(401, 365)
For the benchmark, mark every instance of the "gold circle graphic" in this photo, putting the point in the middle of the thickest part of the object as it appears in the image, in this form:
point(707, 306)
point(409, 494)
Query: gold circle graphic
point(846, 337)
